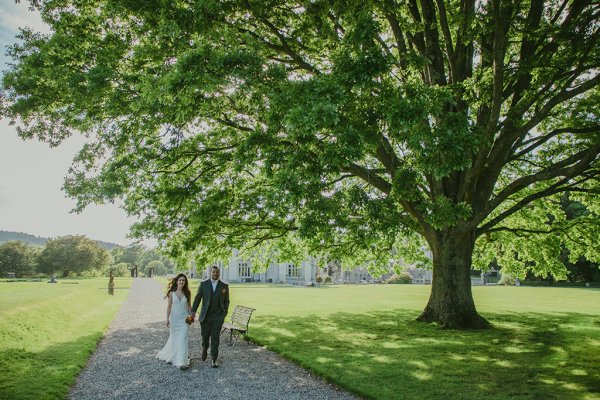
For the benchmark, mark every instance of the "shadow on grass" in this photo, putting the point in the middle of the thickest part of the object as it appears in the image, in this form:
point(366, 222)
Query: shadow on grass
point(387, 355)
point(47, 374)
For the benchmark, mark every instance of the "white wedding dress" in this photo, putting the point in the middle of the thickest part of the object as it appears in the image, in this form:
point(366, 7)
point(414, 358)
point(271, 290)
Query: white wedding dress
point(176, 349)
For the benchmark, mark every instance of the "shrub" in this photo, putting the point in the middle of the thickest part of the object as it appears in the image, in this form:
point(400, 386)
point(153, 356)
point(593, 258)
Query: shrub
point(401, 278)
point(507, 279)
point(159, 267)
point(327, 279)
point(121, 269)
point(89, 273)
point(319, 279)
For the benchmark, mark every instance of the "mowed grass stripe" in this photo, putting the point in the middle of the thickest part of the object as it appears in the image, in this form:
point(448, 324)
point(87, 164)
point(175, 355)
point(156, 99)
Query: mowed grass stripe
point(48, 332)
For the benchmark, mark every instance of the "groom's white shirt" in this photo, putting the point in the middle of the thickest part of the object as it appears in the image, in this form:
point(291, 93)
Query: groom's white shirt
point(214, 285)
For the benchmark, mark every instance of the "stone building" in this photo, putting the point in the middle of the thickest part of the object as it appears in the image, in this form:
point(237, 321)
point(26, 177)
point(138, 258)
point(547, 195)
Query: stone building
point(239, 270)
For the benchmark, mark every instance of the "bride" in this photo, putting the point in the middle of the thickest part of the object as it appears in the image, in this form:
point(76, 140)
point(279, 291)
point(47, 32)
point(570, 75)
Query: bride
point(178, 308)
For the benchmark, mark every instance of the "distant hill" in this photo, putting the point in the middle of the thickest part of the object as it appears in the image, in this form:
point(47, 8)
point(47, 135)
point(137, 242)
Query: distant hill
point(7, 236)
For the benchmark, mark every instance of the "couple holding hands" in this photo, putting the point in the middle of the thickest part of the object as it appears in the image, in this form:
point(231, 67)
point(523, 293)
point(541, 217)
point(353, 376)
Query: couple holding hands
point(214, 295)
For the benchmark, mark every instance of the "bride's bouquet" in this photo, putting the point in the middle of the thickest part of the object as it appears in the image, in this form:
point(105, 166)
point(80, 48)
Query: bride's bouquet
point(189, 319)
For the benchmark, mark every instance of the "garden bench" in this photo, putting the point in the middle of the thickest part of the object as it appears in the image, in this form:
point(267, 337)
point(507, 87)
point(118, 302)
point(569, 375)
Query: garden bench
point(239, 323)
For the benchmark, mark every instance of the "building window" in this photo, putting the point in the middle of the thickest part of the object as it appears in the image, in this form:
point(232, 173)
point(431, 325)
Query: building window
point(293, 271)
point(243, 270)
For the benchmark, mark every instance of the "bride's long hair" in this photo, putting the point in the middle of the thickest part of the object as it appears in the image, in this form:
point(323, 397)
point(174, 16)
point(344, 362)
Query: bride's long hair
point(186, 288)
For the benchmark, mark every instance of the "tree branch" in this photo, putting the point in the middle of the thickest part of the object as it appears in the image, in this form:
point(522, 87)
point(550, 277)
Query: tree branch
point(564, 168)
point(387, 156)
point(399, 37)
point(536, 231)
point(447, 39)
point(186, 166)
point(341, 178)
point(510, 135)
point(433, 52)
point(564, 95)
point(370, 177)
point(285, 46)
point(498, 54)
point(568, 173)
point(464, 51)
point(418, 40)
point(538, 141)
point(527, 52)
point(228, 122)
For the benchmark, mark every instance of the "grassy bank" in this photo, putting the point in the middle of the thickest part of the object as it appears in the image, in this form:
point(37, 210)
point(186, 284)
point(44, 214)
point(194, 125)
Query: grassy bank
point(48, 332)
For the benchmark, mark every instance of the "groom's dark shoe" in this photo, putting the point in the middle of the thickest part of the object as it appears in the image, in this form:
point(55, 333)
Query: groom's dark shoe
point(214, 363)
point(204, 354)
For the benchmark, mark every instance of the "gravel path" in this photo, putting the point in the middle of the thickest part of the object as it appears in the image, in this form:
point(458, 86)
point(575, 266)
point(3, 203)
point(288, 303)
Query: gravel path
point(124, 364)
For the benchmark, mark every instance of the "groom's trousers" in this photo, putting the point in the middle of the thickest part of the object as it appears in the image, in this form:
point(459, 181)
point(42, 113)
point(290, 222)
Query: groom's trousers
point(210, 329)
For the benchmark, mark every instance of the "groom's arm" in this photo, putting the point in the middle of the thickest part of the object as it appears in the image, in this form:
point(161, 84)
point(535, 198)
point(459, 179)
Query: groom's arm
point(226, 299)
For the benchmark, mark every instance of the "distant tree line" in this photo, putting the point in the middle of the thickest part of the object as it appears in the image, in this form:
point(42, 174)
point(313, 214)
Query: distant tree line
point(26, 238)
point(79, 256)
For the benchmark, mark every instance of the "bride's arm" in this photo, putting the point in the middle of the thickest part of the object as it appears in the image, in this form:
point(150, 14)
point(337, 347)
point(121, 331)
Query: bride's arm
point(169, 308)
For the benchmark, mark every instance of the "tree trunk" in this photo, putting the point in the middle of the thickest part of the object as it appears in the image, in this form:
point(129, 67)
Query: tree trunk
point(451, 301)
point(65, 273)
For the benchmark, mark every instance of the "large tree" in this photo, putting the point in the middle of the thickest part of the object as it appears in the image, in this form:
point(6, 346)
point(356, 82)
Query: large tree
point(352, 130)
point(131, 255)
point(17, 257)
point(72, 254)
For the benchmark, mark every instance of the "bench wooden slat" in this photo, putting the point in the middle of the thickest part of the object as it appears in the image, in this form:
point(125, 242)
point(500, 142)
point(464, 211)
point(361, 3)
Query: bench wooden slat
point(240, 318)
point(246, 315)
point(231, 326)
point(243, 314)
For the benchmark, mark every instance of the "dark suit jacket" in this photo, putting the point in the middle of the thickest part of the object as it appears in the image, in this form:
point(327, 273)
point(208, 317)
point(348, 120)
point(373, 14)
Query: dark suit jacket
point(204, 295)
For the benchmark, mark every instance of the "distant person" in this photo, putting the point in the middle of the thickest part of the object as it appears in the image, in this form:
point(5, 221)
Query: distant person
point(111, 283)
point(214, 295)
point(178, 309)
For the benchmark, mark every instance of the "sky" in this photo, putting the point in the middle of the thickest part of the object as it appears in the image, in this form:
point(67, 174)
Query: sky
point(32, 173)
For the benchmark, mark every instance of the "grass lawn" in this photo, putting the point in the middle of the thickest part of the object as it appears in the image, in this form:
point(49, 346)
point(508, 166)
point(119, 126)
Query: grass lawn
point(48, 332)
point(545, 343)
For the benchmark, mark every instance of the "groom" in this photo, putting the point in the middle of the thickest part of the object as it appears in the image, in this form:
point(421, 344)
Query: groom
point(214, 295)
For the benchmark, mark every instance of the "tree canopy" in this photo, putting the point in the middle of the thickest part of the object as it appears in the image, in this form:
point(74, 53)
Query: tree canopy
point(72, 254)
point(359, 131)
point(131, 255)
point(17, 257)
